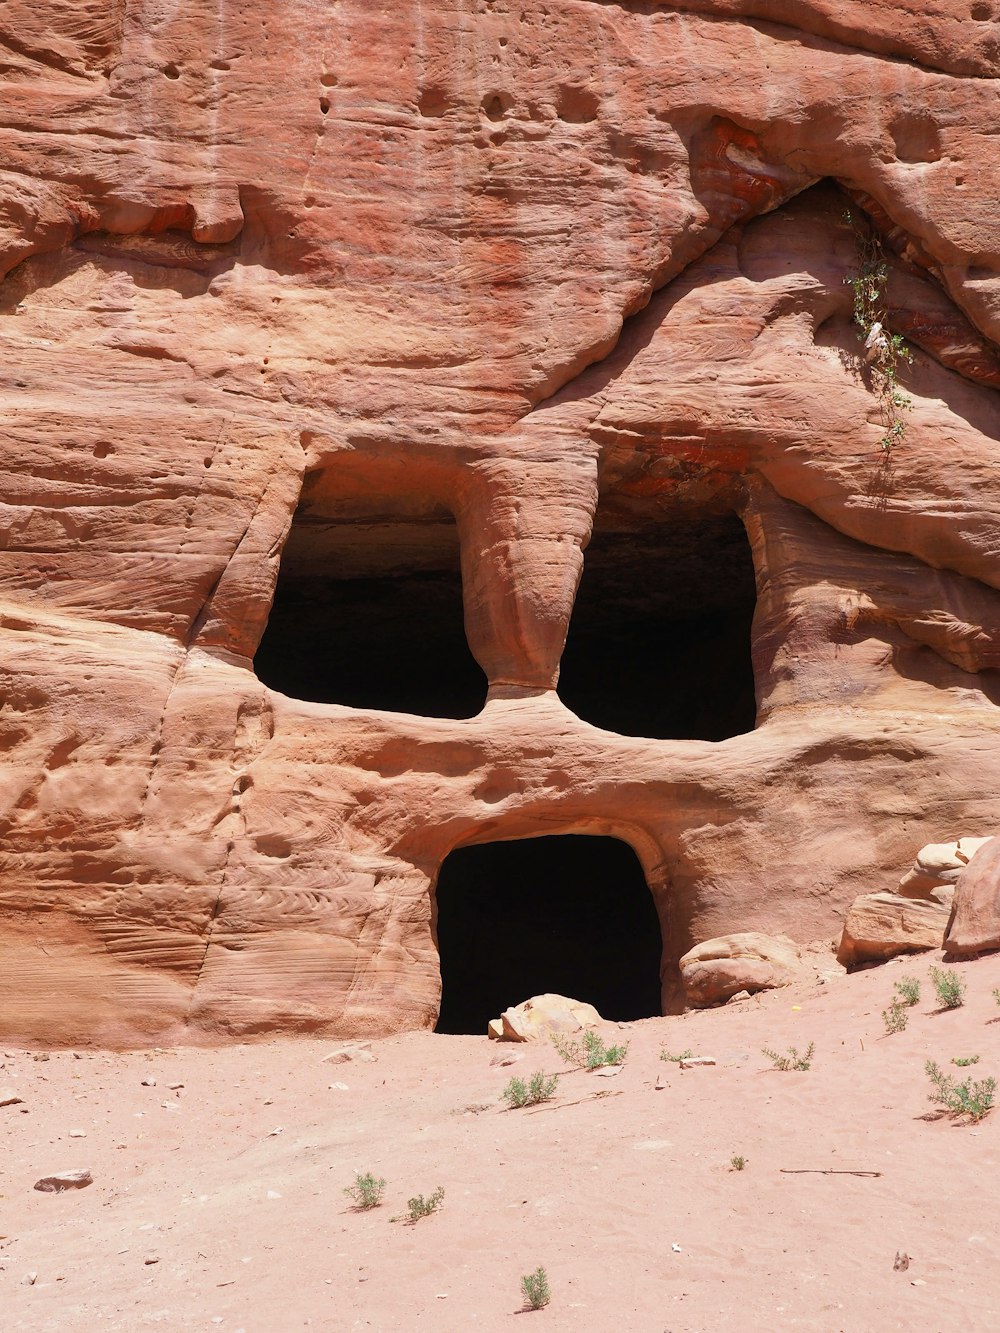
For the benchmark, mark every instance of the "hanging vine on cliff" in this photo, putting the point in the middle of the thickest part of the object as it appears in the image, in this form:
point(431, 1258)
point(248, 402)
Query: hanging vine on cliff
point(884, 352)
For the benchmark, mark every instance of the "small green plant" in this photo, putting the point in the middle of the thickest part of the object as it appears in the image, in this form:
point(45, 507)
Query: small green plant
point(948, 986)
point(884, 352)
point(592, 1054)
point(737, 1163)
point(996, 995)
point(366, 1191)
point(538, 1088)
point(895, 1017)
point(908, 990)
point(792, 1060)
point(676, 1059)
point(963, 1060)
point(535, 1289)
point(971, 1098)
point(419, 1207)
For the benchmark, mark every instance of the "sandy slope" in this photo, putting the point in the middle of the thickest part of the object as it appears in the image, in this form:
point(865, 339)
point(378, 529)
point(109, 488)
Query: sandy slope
point(251, 1230)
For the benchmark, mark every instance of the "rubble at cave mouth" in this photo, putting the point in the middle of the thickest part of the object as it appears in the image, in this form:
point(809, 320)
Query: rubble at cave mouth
point(568, 913)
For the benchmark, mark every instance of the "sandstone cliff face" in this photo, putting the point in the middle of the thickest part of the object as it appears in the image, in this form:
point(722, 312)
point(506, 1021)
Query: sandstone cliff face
point(460, 284)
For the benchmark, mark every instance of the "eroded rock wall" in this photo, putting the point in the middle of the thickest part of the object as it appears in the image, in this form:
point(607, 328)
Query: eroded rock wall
point(376, 265)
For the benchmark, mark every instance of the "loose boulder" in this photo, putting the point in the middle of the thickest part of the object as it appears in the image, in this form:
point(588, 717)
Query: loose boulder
point(882, 925)
point(544, 1016)
point(64, 1180)
point(937, 868)
point(975, 916)
point(715, 970)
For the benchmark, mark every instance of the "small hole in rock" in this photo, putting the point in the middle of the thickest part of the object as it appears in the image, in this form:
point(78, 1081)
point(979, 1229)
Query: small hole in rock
point(324, 105)
point(171, 71)
point(577, 105)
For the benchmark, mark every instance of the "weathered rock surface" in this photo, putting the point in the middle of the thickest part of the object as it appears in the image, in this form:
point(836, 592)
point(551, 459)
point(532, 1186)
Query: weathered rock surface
point(882, 925)
point(748, 961)
point(545, 1016)
point(416, 273)
point(975, 917)
point(937, 868)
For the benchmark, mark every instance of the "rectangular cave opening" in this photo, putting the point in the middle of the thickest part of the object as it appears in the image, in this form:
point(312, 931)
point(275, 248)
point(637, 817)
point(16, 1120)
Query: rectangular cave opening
point(567, 913)
point(659, 642)
point(368, 612)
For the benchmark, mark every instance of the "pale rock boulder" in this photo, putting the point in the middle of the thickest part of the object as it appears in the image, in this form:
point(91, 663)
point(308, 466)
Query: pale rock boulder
point(975, 918)
point(715, 970)
point(358, 1051)
point(882, 925)
point(544, 1016)
point(937, 868)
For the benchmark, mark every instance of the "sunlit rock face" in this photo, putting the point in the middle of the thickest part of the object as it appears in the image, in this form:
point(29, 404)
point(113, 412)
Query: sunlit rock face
point(360, 359)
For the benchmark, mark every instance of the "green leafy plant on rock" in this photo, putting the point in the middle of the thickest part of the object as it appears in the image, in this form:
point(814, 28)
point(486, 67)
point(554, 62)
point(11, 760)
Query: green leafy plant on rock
point(884, 352)
point(538, 1088)
point(592, 1053)
point(792, 1060)
point(971, 1099)
point(535, 1289)
point(366, 1192)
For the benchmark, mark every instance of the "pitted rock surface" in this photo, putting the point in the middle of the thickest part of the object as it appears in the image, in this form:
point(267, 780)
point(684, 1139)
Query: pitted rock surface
point(441, 282)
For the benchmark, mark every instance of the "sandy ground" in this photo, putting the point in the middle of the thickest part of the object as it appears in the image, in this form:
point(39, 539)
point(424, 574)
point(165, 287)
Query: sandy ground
point(218, 1203)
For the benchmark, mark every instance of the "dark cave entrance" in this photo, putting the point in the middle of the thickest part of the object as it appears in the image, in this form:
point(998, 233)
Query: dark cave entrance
point(659, 640)
point(570, 914)
point(368, 612)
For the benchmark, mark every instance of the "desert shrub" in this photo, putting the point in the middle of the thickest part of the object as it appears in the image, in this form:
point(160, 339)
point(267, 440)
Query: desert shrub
point(895, 1017)
point(591, 1053)
point(908, 990)
point(948, 986)
point(963, 1060)
point(535, 1289)
point(792, 1060)
point(971, 1098)
point(538, 1088)
point(366, 1191)
point(675, 1059)
point(419, 1207)
point(737, 1163)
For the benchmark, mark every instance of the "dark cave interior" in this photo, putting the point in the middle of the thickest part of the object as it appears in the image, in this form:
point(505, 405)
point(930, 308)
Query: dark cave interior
point(659, 641)
point(368, 613)
point(570, 914)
